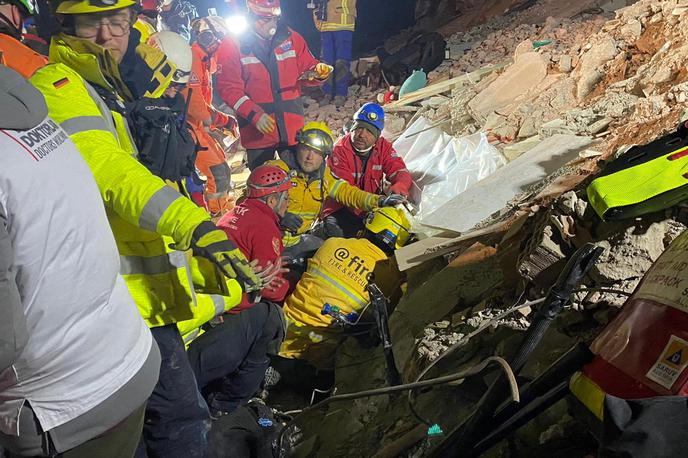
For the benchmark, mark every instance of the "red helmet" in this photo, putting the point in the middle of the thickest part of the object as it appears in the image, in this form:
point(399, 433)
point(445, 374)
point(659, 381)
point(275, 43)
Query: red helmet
point(266, 180)
point(149, 5)
point(264, 8)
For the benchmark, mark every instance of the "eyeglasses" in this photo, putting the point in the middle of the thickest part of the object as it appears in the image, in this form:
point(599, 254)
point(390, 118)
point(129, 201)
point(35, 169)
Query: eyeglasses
point(86, 27)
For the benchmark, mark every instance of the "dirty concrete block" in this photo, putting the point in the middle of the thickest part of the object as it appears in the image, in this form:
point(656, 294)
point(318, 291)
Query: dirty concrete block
point(556, 127)
point(591, 69)
point(565, 63)
point(524, 75)
point(464, 282)
point(631, 249)
point(514, 150)
point(530, 125)
point(541, 253)
point(633, 29)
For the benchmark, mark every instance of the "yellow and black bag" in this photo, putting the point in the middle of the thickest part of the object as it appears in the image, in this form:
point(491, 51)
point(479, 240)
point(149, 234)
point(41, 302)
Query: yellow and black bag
point(644, 179)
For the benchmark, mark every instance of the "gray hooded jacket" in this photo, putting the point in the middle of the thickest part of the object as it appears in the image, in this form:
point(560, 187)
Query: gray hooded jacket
point(23, 108)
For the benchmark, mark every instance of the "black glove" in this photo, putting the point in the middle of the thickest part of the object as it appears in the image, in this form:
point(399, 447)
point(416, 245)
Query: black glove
point(291, 222)
point(391, 200)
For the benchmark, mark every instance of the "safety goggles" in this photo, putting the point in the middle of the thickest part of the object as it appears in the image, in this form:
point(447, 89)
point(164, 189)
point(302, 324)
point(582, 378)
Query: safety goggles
point(86, 26)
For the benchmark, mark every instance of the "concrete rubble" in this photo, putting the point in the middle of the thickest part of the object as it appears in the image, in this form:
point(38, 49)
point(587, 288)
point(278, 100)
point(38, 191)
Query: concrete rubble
point(613, 74)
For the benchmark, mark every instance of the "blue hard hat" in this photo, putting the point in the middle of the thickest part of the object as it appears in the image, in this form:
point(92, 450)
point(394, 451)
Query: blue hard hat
point(371, 113)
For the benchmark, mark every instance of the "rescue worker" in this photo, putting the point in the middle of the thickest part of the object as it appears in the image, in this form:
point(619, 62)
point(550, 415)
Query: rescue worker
point(336, 22)
point(260, 76)
point(176, 16)
point(13, 53)
point(147, 20)
point(313, 182)
point(365, 159)
point(77, 362)
point(99, 44)
point(207, 34)
point(235, 353)
point(338, 275)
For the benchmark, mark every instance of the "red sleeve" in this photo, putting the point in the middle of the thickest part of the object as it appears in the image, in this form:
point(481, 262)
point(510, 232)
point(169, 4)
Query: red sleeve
point(396, 172)
point(230, 84)
point(305, 59)
point(339, 163)
point(263, 247)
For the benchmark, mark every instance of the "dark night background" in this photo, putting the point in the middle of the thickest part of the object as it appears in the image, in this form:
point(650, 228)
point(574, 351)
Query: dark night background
point(377, 20)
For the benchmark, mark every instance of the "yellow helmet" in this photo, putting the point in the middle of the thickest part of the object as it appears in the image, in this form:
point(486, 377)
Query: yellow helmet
point(92, 6)
point(390, 225)
point(318, 136)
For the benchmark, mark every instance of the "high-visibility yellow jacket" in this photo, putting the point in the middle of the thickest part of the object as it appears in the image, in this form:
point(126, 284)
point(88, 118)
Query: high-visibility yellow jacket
point(310, 191)
point(145, 28)
point(139, 205)
point(340, 15)
point(336, 275)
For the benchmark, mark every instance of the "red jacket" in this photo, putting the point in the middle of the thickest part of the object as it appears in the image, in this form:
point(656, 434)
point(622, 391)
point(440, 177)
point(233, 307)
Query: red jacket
point(254, 228)
point(254, 82)
point(383, 162)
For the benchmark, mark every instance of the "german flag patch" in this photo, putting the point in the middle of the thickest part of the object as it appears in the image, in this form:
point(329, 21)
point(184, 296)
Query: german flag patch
point(60, 83)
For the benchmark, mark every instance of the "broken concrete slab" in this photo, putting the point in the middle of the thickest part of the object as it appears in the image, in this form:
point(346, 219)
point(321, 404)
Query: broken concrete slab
point(491, 194)
point(467, 279)
point(529, 70)
point(514, 150)
point(591, 69)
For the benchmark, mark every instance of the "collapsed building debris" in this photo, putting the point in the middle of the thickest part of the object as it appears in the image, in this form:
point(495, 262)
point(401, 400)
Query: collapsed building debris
point(558, 95)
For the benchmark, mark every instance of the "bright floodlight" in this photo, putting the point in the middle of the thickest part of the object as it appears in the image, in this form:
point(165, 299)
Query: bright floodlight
point(237, 24)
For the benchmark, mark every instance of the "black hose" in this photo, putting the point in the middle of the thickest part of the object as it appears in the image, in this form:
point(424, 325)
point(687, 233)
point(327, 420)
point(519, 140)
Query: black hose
point(514, 392)
point(475, 427)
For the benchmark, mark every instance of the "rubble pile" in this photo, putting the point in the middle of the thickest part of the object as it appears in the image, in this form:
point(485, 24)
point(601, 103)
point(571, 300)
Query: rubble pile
point(612, 76)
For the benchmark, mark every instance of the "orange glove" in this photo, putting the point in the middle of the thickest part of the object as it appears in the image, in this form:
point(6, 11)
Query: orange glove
point(265, 124)
point(322, 71)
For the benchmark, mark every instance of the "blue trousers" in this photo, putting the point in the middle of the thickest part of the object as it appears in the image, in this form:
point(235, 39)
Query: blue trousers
point(177, 420)
point(230, 359)
point(336, 51)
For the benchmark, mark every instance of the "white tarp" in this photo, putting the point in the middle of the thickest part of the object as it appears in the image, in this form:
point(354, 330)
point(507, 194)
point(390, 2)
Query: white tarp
point(443, 166)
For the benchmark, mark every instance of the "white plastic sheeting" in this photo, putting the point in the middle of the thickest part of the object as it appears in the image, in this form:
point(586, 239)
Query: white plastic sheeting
point(443, 166)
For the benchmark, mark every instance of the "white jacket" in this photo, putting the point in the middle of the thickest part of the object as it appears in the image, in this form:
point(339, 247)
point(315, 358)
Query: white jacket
point(85, 336)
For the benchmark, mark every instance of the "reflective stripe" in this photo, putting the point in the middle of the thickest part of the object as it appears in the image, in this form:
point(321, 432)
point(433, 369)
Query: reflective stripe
point(219, 303)
point(335, 188)
point(83, 123)
point(286, 55)
point(354, 297)
point(191, 336)
point(395, 173)
point(250, 60)
point(156, 207)
point(217, 195)
point(313, 214)
point(164, 263)
point(240, 102)
point(378, 167)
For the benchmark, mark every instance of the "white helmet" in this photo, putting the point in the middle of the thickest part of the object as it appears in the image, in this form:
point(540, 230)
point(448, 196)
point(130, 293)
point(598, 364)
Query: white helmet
point(178, 52)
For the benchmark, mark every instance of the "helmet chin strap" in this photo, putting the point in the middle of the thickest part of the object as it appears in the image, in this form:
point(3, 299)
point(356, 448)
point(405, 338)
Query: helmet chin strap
point(7, 25)
point(359, 151)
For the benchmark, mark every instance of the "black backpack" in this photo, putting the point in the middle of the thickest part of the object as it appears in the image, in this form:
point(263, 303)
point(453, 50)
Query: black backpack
point(162, 136)
point(423, 51)
point(250, 431)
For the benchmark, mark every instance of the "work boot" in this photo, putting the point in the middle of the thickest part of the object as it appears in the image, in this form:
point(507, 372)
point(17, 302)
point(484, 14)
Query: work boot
point(339, 101)
point(326, 100)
